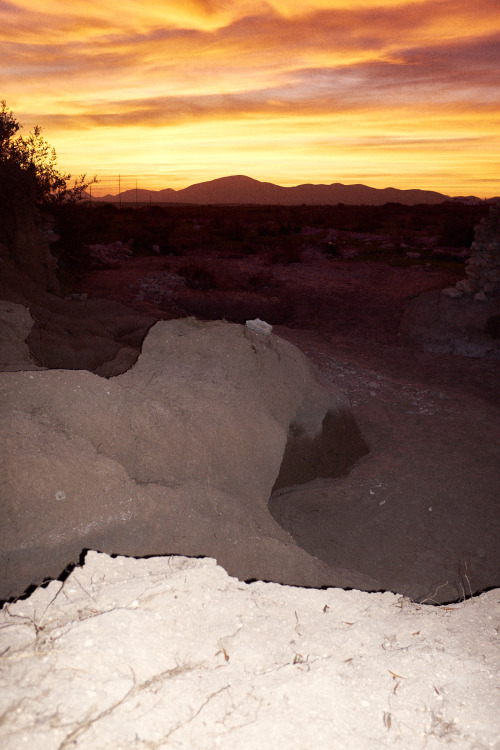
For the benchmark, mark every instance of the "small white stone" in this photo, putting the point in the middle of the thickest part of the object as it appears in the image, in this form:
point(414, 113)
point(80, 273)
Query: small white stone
point(452, 292)
point(260, 327)
point(464, 286)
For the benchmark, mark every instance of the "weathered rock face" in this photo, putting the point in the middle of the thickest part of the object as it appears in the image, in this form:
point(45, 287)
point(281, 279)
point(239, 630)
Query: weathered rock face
point(456, 320)
point(178, 455)
point(483, 267)
point(98, 335)
point(19, 234)
point(15, 326)
point(440, 323)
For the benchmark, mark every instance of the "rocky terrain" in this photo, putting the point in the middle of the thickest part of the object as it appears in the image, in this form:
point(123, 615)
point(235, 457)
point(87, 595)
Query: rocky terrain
point(356, 446)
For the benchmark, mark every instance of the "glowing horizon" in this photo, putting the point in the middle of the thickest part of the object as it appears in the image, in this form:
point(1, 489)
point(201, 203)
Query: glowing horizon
point(168, 94)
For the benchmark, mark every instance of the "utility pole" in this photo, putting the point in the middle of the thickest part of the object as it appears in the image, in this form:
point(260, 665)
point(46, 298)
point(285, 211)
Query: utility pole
point(119, 191)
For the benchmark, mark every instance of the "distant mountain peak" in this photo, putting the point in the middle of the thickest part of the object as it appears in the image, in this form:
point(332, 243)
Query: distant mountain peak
point(241, 189)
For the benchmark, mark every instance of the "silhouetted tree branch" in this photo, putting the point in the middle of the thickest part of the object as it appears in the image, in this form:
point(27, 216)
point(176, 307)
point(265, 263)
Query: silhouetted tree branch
point(36, 156)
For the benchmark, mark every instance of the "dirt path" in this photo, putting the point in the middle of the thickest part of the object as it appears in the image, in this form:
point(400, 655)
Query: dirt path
point(420, 512)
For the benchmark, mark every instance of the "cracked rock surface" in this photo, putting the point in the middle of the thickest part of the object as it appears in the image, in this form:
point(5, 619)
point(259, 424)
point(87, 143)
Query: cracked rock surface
point(174, 653)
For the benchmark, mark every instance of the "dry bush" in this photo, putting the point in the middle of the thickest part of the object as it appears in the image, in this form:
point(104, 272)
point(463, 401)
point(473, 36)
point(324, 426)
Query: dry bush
point(197, 276)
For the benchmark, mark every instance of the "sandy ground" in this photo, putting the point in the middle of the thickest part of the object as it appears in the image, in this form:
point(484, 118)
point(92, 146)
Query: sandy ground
point(420, 512)
point(173, 653)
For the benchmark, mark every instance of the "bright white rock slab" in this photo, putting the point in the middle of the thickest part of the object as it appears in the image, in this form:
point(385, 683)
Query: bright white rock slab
point(173, 653)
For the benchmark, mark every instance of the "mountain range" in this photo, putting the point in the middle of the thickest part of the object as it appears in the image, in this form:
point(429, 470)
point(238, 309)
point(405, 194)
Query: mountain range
point(239, 189)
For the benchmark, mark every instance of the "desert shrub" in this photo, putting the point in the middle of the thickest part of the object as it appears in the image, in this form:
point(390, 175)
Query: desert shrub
point(197, 276)
point(232, 229)
point(457, 231)
point(109, 255)
point(73, 227)
point(260, 281)
point(492, 326)
point(285, 254)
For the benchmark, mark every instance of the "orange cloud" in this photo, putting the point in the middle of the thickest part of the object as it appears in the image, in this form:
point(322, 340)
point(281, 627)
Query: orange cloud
point(298, 88)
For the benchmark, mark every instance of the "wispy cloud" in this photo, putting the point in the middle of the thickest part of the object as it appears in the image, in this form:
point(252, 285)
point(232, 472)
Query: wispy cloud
point(423, 71)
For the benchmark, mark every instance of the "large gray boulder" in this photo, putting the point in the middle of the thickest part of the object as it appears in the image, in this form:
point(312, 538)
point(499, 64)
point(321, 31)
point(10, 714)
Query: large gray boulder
point(178, 455)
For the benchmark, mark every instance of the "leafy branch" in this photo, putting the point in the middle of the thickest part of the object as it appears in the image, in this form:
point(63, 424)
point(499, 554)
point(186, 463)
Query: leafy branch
point(35, 155)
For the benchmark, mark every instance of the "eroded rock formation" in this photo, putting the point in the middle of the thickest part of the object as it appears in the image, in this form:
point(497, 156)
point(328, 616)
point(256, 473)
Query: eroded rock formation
point(483, 266)
point(463, 319)
point(178, 455)
point(15, 326)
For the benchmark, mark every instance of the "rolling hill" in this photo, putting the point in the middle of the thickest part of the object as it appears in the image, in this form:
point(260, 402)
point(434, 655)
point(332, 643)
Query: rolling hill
point(239, 189)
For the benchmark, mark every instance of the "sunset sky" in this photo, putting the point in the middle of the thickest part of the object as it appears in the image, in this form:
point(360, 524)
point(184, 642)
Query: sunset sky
point(173, 92)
